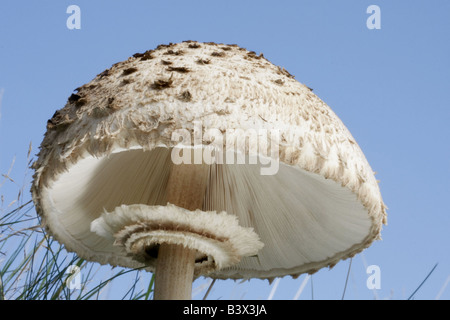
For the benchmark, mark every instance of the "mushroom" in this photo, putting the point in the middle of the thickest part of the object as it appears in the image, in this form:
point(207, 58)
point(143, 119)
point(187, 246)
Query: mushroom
point(204, 159)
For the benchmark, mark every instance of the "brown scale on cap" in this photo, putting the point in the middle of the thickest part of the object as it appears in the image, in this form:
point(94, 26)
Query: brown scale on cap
point(178, 69)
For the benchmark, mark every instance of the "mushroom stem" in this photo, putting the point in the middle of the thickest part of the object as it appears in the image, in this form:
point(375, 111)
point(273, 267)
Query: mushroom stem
point(175, 263)
point(174, 272)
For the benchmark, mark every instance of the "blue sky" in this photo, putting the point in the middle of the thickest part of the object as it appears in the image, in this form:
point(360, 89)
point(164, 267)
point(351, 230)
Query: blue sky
point(390, 87)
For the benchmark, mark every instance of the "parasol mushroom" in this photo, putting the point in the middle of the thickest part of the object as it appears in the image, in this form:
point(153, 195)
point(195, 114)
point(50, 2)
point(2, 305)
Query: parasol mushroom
point(204, 159)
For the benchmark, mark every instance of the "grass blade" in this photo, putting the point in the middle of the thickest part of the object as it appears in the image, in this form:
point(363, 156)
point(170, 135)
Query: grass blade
point(302, 286)
point(420, 285)
point(209, 289)
point(150, 287)
point(438, 296)
point(274, 288)
point(346, 279)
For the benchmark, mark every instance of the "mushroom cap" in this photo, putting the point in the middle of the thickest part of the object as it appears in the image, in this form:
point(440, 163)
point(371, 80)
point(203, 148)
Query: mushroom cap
point(113, 142)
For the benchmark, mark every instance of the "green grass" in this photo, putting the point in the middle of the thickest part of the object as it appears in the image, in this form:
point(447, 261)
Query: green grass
point(33, 266)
